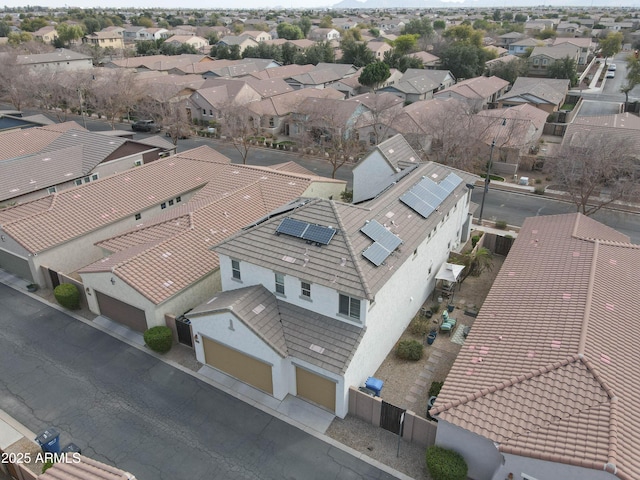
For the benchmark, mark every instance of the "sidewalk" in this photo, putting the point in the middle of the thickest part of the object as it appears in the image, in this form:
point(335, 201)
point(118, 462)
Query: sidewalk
point(292, 410)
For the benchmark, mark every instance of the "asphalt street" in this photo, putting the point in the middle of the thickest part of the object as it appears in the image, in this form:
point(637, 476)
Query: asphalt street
point(127, 408)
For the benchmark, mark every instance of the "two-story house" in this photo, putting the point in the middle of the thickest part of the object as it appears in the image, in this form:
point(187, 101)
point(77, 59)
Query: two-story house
point(543, 57)
point(478, 92)
point(314, 297)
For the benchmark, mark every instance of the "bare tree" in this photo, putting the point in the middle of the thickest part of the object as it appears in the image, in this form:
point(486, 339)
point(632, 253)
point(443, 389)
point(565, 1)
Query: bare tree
point(165, 104)
point(14, 84)
point(597, 168)
point(383, 111)
point(240, 126)
point(51, 92)
point(115, 92)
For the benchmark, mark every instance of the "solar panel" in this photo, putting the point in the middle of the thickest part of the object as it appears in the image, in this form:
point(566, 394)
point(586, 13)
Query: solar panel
point(424, 190)
point(319, 234)
point(376, 254)
point(292, 227)
point(416, 204)
point(378, 233)
point(451, 182)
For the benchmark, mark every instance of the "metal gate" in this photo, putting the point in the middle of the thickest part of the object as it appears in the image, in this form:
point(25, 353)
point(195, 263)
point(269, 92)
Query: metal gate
point(183, 326)
point(55, 279)
point(391, 417)
point(503, 245)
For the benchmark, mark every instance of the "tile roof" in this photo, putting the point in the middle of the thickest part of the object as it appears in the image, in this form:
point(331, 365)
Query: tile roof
point(538, 90)
point(86, 469)
point(285, 71)
point(45, 223)
point(557, 52)
point(288, 329)
point(17, 143)
point(340, 265)
point(478, 87)
point(158, 62)
point(60, 54)
point(168, 254)
point(281, 105)
point(620, 120)
point(549, 369)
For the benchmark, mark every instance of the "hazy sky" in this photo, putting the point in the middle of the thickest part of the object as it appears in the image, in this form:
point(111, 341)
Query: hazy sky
point(169, 4)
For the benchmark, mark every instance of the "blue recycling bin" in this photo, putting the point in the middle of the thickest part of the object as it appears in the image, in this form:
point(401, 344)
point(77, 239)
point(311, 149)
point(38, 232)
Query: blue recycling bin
point(374, 384)
point(49, 440)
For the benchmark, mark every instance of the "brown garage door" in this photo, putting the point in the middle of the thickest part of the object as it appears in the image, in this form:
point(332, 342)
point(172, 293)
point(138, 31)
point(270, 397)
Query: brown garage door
point(121, 312)
point(244, 368)
point(316, 388)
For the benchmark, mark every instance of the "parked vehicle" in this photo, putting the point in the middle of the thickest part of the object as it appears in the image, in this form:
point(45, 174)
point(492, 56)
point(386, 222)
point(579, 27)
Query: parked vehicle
point(611, 67)
point(611, 74)
point(145, 126)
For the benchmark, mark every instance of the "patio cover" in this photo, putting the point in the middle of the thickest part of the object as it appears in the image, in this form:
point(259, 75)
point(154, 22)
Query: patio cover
point(449, 272)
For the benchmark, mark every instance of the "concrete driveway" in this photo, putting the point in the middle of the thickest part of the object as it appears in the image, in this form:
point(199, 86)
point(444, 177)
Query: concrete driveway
point(127, 408)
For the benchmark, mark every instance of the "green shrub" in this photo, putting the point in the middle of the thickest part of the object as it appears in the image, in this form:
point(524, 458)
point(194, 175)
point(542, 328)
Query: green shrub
point(538, 180)
point(47, 465)
point(539, 191)
point(474, 240)
point(501, 224)
point(435, 388)
point(419, 325)
point(410, 350)
point(67, 295)
point(159, 339)
point(444, 464)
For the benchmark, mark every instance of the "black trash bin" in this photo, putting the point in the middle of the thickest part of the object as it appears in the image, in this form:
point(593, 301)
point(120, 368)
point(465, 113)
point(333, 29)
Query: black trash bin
point(49, 440)
point(72, 448)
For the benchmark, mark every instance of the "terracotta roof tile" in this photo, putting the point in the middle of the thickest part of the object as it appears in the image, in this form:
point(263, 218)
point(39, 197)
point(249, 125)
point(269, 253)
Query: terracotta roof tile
point(86, 469)
point(553, 348)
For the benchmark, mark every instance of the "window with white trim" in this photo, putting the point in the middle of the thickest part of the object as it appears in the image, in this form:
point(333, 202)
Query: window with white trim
point(349, 307)
point(51, 190)
point(279, 283)
point(305, 289)
point(235, 270)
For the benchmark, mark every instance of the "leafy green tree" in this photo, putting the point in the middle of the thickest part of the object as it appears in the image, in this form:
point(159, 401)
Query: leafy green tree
point(611, 44)
point(147, 47)
point(288, 53)
point(289, 32)
point(401, 62)
point(507, 16)
point(374, 74)
point(564, 68)
point(546, 33)
point(18, 38)
point(374, 32)
point(464, 60)
point(418, 26)
point(305, 25)
point(234, 52)
point(68, 33)
point(633, 76)
point(326, 22)
point(405, 43)
point(5, 28)
point(520, 18)
point(509, 71)
point(464, 34)
point(91, 24)
point(497, 15)
point(356, 53)
point(439, 24)
point(263, 50)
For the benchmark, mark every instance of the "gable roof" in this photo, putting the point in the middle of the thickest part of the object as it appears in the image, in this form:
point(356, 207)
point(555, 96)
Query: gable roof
point(537, 375)
point(167, 254)
point(59, 55)
point(538, 90)
point(557, 52)
point(288, 329)
point(476, 88)
point(85, 469)
point(340, 265)
point(280, 105)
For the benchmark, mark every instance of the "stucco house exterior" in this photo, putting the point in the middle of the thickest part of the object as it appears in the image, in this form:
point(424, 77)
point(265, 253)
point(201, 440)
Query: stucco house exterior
point(104, 39)
point(196, 42)
point(61, 60)
point(543, 57)
point(46, 34)
point(545, 385)
point(478, 93)
point(548, 94)
point(417, 84)
point(307, 308)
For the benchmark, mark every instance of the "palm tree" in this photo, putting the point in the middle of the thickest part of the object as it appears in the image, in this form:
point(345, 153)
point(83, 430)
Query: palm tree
point(477, 261)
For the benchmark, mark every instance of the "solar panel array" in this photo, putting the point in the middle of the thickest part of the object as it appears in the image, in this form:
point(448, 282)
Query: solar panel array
point(311, 233)
point(426, 196)
point(384, 242)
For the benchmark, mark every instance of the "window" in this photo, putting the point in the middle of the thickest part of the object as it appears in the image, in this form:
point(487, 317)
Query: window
point(94, 177)
point(305, 289)
point(178, 199)
point(163, 205)
point(536, 61)
point(235, 269)
point(78, 182)
point(170, 202)
point(544, 61)
point(349, 306)
point(137, 163)
point(272, 122)
point(210, 113)
point(279, 283)
point(51, 189)
point(86, 179)
point(204, 111)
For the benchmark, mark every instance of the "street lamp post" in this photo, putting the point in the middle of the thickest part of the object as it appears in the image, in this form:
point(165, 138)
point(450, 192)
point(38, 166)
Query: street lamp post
point(84, 121)
point(487, 177)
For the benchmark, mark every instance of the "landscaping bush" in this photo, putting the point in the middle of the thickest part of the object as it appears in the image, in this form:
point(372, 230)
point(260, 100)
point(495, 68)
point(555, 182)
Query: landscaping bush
point(419, 326)
point(444, 464)
point(435, 388)
point(501, 224)
point(474, 240)
point(67, 295)
point(409, 350)
point(159, 339)
point(47, 465)
point(539, 191)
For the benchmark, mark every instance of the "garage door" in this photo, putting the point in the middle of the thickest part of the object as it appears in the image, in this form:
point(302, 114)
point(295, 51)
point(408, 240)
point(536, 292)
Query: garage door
point(316, 388)
point(17, 265)
point(121, 312)
point(244, 368)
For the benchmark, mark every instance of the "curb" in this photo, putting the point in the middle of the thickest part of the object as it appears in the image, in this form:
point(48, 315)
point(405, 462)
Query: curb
point(274, 413)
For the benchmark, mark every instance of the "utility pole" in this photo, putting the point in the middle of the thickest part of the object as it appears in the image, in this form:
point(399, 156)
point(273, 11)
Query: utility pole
point(487, 177)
